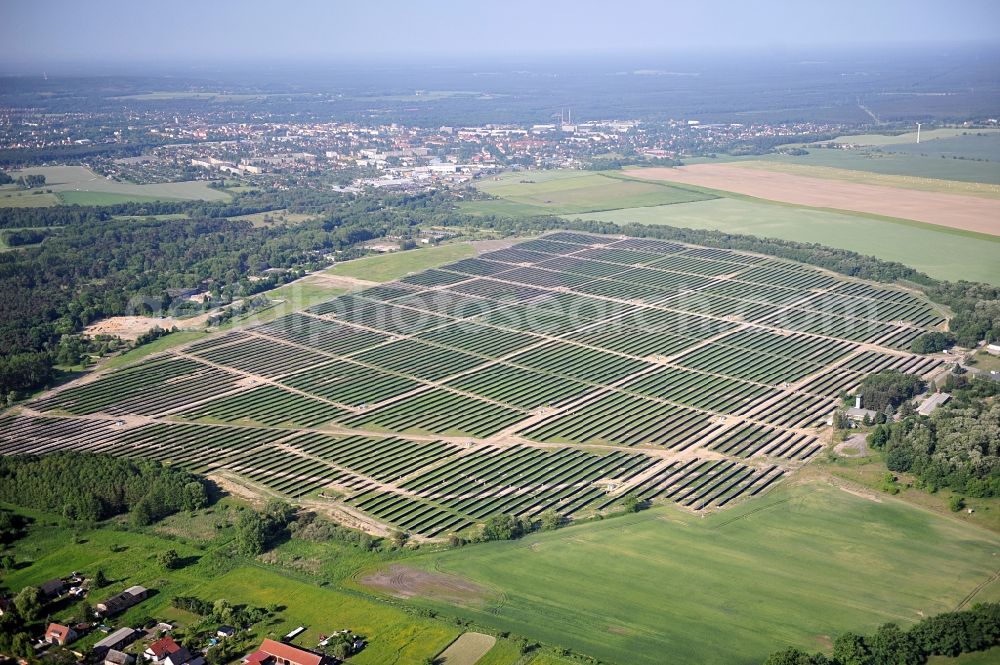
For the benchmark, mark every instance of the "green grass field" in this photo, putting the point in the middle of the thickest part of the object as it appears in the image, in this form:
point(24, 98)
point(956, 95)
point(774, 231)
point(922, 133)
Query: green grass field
point(79, 185)
point(796, 567)
point(570, 192)
point(12, 197)
point(391, 266)
point(938, 251)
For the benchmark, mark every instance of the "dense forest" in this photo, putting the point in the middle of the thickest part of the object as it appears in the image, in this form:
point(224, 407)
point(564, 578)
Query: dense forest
point(91, 487)
point(948, 634)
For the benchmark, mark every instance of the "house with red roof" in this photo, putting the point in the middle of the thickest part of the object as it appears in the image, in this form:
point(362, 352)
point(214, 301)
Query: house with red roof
point(160, 649)
point(279, 653)
point(59, 634)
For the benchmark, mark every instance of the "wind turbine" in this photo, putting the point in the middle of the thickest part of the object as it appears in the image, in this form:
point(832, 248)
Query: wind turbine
point(918, 132)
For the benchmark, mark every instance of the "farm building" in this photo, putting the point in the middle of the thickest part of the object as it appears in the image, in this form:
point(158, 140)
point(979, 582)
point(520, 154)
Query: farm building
point(53, 588)
point(121, 602)
point(116, 640)
point(115, 657)
point(59, 634)
point(278, 653)
point(929, 405)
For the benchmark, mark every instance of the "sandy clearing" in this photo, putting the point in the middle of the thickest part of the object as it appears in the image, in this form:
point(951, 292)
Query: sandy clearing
point(969, 213)
point(406, 582)
point(130, 327)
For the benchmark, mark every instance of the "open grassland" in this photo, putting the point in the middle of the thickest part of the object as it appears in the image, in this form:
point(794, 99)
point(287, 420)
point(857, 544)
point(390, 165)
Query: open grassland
point(794, 568)
point(567, 192)
point(940, 252)
point(393, 265)
point(13, 197)
point(80, 185)
point(274, 217)
point(968, 213)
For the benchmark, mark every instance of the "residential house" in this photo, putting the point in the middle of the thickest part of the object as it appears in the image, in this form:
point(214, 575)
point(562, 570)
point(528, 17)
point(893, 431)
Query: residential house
point(160, 649)
point(279, 653)
point(183, 657)
point(121, 602)
point(59, 634)
point(225, 631)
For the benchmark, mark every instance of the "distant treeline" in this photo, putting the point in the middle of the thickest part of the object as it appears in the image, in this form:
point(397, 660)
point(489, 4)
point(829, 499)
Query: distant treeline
point(91, 487)
point(948, 634)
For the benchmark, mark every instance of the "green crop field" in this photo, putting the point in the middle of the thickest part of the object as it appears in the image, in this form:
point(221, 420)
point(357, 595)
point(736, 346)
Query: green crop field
point(541, 376)
point(80, 185)
point(794, 568)
point(568, 192)
point(940, 252)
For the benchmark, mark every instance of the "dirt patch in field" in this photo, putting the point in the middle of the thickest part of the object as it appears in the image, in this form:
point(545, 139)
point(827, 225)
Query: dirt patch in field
point(406, 582)
point(467, 649)
point(969, 213)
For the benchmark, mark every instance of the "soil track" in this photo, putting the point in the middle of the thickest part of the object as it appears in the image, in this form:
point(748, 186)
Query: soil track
point(406, 582)
point(969, 213)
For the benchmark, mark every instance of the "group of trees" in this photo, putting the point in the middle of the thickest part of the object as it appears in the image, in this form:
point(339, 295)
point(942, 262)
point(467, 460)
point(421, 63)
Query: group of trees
point(31, 181)
point(948, 634)
point(92, 487)
point(889, 388)
point(957, 447)
point(256, 532)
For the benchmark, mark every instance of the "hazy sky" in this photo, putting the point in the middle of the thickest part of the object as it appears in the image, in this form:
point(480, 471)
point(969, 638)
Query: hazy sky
point(136, 31)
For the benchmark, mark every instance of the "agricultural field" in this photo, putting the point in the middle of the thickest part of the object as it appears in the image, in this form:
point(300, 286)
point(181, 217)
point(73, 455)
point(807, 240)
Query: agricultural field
point(955, 211)
point(570, 192)
point(79, 185)
point(798, 567)
point(940, 252)
point(564, 373)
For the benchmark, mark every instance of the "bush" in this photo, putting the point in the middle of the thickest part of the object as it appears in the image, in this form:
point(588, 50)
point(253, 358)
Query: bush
point(956, 503)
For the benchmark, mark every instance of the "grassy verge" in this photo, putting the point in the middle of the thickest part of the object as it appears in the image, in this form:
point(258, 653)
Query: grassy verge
point(391, 266)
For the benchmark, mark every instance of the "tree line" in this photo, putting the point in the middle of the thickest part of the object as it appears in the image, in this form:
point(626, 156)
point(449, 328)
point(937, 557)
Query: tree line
point(948, 634)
